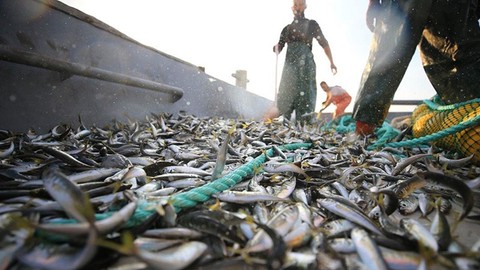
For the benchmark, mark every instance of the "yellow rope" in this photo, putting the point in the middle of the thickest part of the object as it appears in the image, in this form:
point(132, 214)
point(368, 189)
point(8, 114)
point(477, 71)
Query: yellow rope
point(427, 120)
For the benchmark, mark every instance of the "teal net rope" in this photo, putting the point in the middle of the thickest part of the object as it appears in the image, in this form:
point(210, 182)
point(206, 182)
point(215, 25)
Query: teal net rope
point(200, 194)
point(346, 124)
point(437, 105)
point(434, 104)
point(386, 133)
point(434, 136)
point(203, 193)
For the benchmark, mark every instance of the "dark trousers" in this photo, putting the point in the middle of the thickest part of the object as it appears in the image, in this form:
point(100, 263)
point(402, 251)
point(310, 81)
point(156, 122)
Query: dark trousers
point(449, 37)
point(298, 88)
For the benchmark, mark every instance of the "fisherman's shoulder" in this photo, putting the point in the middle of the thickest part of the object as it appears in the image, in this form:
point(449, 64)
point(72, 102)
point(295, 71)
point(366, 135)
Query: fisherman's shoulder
point(313, 23)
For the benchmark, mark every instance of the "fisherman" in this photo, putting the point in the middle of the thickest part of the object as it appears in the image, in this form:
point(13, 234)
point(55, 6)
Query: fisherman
point(337, 96)
point(448, 34)
point(298, 87)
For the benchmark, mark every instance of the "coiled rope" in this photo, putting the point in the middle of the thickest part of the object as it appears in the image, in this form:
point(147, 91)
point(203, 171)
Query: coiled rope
point(386, 133)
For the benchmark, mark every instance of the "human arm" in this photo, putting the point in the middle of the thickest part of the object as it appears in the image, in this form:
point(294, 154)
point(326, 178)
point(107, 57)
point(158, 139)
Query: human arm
point(323, 42)
point(392, 48)
point(328, 53)
point(277, 48)
point(327, 102)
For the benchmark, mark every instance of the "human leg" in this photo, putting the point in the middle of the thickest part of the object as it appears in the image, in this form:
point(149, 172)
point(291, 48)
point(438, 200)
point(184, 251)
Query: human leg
point(450, 51)
point(306, 84)
point(286, 91)
point(394, 42)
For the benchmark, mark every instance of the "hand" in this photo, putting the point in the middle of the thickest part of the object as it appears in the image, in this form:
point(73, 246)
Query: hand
point(372, 14)
point(333, 68)
point(276, 49)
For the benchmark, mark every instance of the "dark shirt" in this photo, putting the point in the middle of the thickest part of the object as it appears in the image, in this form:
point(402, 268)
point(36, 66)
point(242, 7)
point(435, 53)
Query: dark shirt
point(302, 30)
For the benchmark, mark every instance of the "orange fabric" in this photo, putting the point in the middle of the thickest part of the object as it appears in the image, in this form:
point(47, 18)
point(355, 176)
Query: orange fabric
point(341, 102)
point(341, 98)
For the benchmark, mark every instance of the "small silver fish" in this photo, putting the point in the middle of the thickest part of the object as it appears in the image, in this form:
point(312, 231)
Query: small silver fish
point(368, 250)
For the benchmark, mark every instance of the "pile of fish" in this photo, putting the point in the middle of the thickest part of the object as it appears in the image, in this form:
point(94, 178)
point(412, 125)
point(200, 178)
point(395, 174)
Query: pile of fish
point(101, 198)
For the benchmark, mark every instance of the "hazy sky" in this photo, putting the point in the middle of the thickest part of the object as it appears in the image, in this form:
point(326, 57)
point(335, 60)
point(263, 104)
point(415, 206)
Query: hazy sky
point(227, 35)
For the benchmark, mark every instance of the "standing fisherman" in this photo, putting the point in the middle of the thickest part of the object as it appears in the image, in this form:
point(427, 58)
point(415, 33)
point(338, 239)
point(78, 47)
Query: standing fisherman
point(448, 35)
point(298, 88)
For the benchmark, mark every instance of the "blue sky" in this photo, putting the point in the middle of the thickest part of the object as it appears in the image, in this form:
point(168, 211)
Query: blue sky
point(228, 35)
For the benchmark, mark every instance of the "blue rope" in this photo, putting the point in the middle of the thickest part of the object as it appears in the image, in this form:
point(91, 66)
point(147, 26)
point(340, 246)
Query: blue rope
point(197, 195)
point(437, 135)
point(386, 133)
point(436, 105)
point(346, 124)
point(201, 194)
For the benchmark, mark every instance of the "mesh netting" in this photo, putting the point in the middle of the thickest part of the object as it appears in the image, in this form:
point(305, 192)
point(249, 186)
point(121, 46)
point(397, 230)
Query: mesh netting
point(431, 117)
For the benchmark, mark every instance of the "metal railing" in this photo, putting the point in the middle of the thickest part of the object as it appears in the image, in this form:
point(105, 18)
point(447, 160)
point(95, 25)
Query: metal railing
point(407, 102)
point(37, 60)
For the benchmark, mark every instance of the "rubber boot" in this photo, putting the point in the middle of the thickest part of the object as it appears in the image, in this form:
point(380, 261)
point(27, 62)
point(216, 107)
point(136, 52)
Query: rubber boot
point(364, 129)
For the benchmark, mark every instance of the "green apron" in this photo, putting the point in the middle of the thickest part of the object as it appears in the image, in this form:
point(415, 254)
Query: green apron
point(298, 87)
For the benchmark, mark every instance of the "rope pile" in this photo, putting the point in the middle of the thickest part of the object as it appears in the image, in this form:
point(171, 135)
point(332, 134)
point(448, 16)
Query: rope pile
point(453, 127)
point(434, 117)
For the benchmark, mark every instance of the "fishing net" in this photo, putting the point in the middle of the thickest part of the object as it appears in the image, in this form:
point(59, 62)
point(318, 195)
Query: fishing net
point(432, 117)
point(454, 127)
